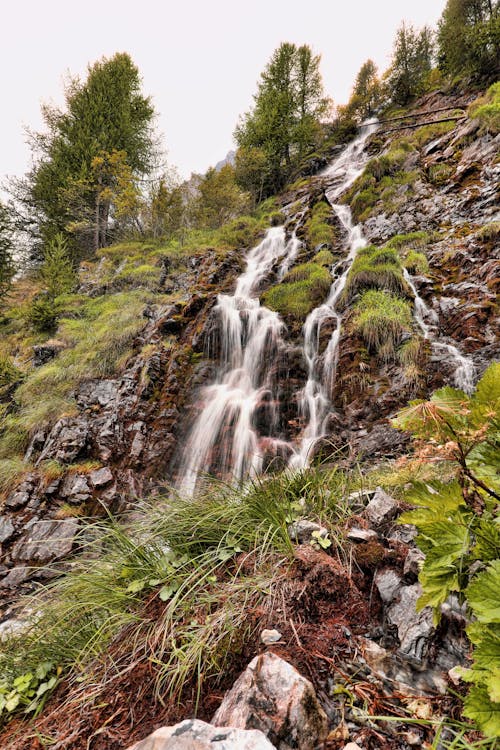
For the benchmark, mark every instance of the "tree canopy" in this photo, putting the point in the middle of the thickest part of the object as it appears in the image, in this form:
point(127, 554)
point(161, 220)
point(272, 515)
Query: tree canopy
point(284, 123)
point(94, 148)
point(367, 92)
point(6, 263)
point(469, 38)
point(411, 63)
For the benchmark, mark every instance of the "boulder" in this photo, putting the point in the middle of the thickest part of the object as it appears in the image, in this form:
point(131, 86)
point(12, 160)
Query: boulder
point(272, 696)
point(388, 583)
point(193, 734)
point(301, 531)
point(6, 529)
point(101, 477)
point(75, 488)
point(46, 541)
point(414, 628)
point(381, 508)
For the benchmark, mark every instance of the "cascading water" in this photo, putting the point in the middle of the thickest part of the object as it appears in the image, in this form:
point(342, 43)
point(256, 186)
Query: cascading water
point(426, 318)
point(224, 437)
point(224, 440)
point(315, 401)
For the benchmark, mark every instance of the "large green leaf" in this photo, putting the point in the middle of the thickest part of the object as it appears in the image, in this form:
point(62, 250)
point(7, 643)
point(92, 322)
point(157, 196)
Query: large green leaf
point(484, 594)
point(481, 709)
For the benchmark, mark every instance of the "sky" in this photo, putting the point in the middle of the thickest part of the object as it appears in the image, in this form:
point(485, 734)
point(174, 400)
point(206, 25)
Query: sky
point(200, 60)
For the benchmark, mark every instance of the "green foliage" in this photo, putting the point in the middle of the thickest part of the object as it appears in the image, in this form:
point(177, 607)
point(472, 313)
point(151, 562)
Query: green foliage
point(490, 231)
point(487, 108)
point(469, 38)
point(67, 189)
point(6, 244)
point(367, 93)
point(411, 63)
point(375, 267)
point(43, 314)
point(57, 273)
point(318, 228)
point(302, 289)
point(219, 198)
point(210, 560)
point(9, 373)
point(381, 318)
point(28, 692)
point(458, 525)
point(285, 121)
point(415, 262)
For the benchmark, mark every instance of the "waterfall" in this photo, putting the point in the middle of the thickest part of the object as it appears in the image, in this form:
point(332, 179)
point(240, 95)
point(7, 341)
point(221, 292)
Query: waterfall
point(315, 398)
point(223, 437)
point(426, 318)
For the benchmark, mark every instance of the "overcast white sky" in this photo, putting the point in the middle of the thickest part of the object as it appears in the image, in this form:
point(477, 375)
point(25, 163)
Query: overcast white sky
point(200, 59)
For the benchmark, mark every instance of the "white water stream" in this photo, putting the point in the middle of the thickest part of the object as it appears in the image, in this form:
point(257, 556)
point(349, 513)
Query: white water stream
point(224, 440)
point(426, 318)
point(223, 436)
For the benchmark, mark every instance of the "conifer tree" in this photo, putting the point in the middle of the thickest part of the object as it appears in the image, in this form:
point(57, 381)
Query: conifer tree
point(411, 63)
point(6, 263)
point(367, 92)
point(289, 105)
point(104, 115)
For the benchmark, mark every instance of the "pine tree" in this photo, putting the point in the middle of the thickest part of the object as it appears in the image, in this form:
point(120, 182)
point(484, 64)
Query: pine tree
point(289, 105)
point(104, 115)
point(219, 198)
point(411, 63)
point(367, 92)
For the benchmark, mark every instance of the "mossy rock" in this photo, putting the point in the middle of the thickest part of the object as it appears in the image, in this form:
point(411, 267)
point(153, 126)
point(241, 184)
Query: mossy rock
point(302, 289)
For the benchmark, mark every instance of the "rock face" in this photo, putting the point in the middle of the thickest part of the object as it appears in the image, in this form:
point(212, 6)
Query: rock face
point(272, 696)
point(193, 734)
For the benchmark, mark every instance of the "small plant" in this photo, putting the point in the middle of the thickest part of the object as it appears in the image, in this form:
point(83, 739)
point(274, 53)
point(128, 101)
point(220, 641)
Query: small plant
point(378, 268)
point(28, 692)
point(381, 318)
point(319, 230)
point(320, 540)
point(487, 110)
point(458, 528)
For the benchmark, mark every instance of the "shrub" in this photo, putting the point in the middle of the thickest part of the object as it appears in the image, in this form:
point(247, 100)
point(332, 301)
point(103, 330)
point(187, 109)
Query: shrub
point(381, 319)
point(302, 289)
point(8, 372)
point(43, 314)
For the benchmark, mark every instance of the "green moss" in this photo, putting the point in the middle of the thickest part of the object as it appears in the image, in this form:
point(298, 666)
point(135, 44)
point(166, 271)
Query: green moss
point(302, 289)
point(412, 239)
point(415, 262)
point(378, 268)
point(381, 318)
point(324, 258)
point(421, 136)
point(439, 174)
point(319, 231)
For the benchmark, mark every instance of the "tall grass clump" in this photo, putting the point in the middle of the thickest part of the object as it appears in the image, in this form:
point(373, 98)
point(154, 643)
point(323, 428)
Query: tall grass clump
point(319, 230)
point(382, 318)
point(302, 289)
point(173, 587)
point(487, 110)
point(378, 268)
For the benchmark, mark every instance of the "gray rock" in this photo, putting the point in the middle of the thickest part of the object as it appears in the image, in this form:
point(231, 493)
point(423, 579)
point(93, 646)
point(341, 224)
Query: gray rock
point(46, 541)
point(15, 577)
point(101, 477)
point(75, 488)
point(358, 535)
point(6, 529)
point(414, 628)
point(270, 636)
point(272, 696)
point(301, 531)
point(381, 508)
point(194, 734)
point(413, 562)
point(388, 583)
point(66, 440)
point(17, 499)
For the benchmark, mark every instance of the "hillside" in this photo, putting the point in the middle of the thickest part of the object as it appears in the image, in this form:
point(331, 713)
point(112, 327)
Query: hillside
point(282, 345)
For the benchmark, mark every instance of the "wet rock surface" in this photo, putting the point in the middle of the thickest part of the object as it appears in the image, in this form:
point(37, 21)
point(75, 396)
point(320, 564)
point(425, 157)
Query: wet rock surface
point(193, 734)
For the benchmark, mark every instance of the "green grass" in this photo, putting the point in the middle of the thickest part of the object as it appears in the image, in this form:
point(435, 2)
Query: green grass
point(381, 318)
point(415, 262)
point(378, 268)
point(489, 232)
point(206, 563)
point(487, 110)
point(412, 240)
point(302, 289)
point(319, 230)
